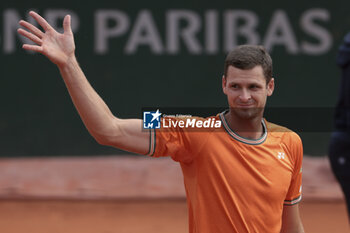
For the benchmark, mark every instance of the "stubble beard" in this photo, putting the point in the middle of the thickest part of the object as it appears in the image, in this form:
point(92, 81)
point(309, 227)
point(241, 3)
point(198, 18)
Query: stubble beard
point(247, 113)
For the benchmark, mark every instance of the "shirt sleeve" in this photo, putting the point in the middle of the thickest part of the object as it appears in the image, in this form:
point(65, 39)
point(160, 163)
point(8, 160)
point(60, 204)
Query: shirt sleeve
point(181, 144)
point(294, 192)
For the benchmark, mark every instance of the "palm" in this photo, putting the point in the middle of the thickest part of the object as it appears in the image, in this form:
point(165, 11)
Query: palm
point(56, 46)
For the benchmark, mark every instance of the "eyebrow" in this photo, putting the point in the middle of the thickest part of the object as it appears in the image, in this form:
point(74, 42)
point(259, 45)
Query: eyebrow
point(251, 83)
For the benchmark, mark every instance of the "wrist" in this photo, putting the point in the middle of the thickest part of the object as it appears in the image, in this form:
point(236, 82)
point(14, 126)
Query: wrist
point(68, 62)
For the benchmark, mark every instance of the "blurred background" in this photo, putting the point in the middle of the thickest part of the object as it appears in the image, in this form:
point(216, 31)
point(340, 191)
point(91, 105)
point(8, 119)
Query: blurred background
point(154, 54)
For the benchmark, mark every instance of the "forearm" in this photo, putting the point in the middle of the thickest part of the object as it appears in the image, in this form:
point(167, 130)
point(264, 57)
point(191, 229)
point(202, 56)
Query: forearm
point(95, 114)
point(295, 229)
point(291, 222)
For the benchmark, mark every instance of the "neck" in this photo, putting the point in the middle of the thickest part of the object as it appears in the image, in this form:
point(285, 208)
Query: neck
point(247, 128)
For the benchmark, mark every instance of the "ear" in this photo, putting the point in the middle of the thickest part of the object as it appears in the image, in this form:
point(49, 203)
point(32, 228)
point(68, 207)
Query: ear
point(270, 87)
point(224, 84)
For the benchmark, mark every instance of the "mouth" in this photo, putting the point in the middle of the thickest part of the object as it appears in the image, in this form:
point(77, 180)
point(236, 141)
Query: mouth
point(245, 105)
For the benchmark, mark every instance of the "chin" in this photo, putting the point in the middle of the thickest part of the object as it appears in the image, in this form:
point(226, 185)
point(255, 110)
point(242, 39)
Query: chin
point(247, 113)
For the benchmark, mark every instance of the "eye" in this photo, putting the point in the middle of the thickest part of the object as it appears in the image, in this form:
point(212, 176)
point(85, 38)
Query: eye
point(234, 86)
point(254, 86)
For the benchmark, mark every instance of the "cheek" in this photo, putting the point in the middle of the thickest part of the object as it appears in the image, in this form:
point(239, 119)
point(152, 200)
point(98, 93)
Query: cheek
point(258, 95)
point(261, 98)
point(231, 94)
point(232, 97)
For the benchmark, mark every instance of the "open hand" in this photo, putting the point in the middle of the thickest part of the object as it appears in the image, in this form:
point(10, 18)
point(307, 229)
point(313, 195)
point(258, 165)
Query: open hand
point(59, 48)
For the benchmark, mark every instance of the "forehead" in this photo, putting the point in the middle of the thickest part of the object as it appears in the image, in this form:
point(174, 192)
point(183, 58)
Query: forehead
point(255, 74)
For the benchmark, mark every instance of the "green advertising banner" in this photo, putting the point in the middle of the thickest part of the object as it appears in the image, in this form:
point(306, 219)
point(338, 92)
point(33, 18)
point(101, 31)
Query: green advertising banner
point(157, 54)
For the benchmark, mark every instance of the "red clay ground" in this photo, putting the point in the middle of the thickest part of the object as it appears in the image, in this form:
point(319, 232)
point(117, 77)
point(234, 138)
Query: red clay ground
point(126, 177)
point(85, 195)
point(163, 216)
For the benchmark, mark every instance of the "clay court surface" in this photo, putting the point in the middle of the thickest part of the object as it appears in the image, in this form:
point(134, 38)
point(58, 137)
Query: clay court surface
point(130, 195)
point(165, 216)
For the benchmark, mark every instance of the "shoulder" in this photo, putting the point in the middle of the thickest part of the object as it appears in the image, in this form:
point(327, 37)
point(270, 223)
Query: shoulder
point(289, 141)
point(283, 134)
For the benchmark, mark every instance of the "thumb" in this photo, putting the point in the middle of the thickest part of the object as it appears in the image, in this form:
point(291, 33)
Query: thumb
point(67, 24)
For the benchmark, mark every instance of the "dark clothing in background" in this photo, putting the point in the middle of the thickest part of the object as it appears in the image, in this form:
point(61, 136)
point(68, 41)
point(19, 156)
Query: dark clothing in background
point(339, 156)
point(339, 148)
point(342, 112)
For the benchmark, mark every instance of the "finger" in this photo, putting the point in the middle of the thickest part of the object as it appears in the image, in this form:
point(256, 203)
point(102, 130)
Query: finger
point(34, 48)
point(30, 36)
point(67, 24)
point(43, 23)
point(32, 28)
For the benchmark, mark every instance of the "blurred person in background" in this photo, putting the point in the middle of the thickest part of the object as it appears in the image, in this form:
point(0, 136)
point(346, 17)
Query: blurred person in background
point(339, 148)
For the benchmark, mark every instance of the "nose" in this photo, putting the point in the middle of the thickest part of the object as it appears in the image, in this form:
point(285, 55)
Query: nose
point(245, 96)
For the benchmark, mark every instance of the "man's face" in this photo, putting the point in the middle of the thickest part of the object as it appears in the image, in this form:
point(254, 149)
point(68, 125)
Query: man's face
point(246, 91)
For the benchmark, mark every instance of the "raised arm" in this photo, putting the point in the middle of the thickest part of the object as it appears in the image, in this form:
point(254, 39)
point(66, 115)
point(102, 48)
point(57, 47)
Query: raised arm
point(98, 119)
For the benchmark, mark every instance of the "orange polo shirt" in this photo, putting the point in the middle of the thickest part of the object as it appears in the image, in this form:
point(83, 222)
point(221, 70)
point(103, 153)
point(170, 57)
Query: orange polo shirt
point(234, 184)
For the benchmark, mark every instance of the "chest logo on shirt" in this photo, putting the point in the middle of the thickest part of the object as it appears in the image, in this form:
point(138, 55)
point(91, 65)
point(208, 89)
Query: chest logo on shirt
point(281, 155)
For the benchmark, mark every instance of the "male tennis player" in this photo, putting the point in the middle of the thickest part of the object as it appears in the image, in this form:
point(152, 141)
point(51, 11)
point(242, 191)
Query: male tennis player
point(244, 177)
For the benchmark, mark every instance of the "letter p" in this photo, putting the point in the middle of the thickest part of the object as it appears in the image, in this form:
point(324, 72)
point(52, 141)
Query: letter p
point(103, 32)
